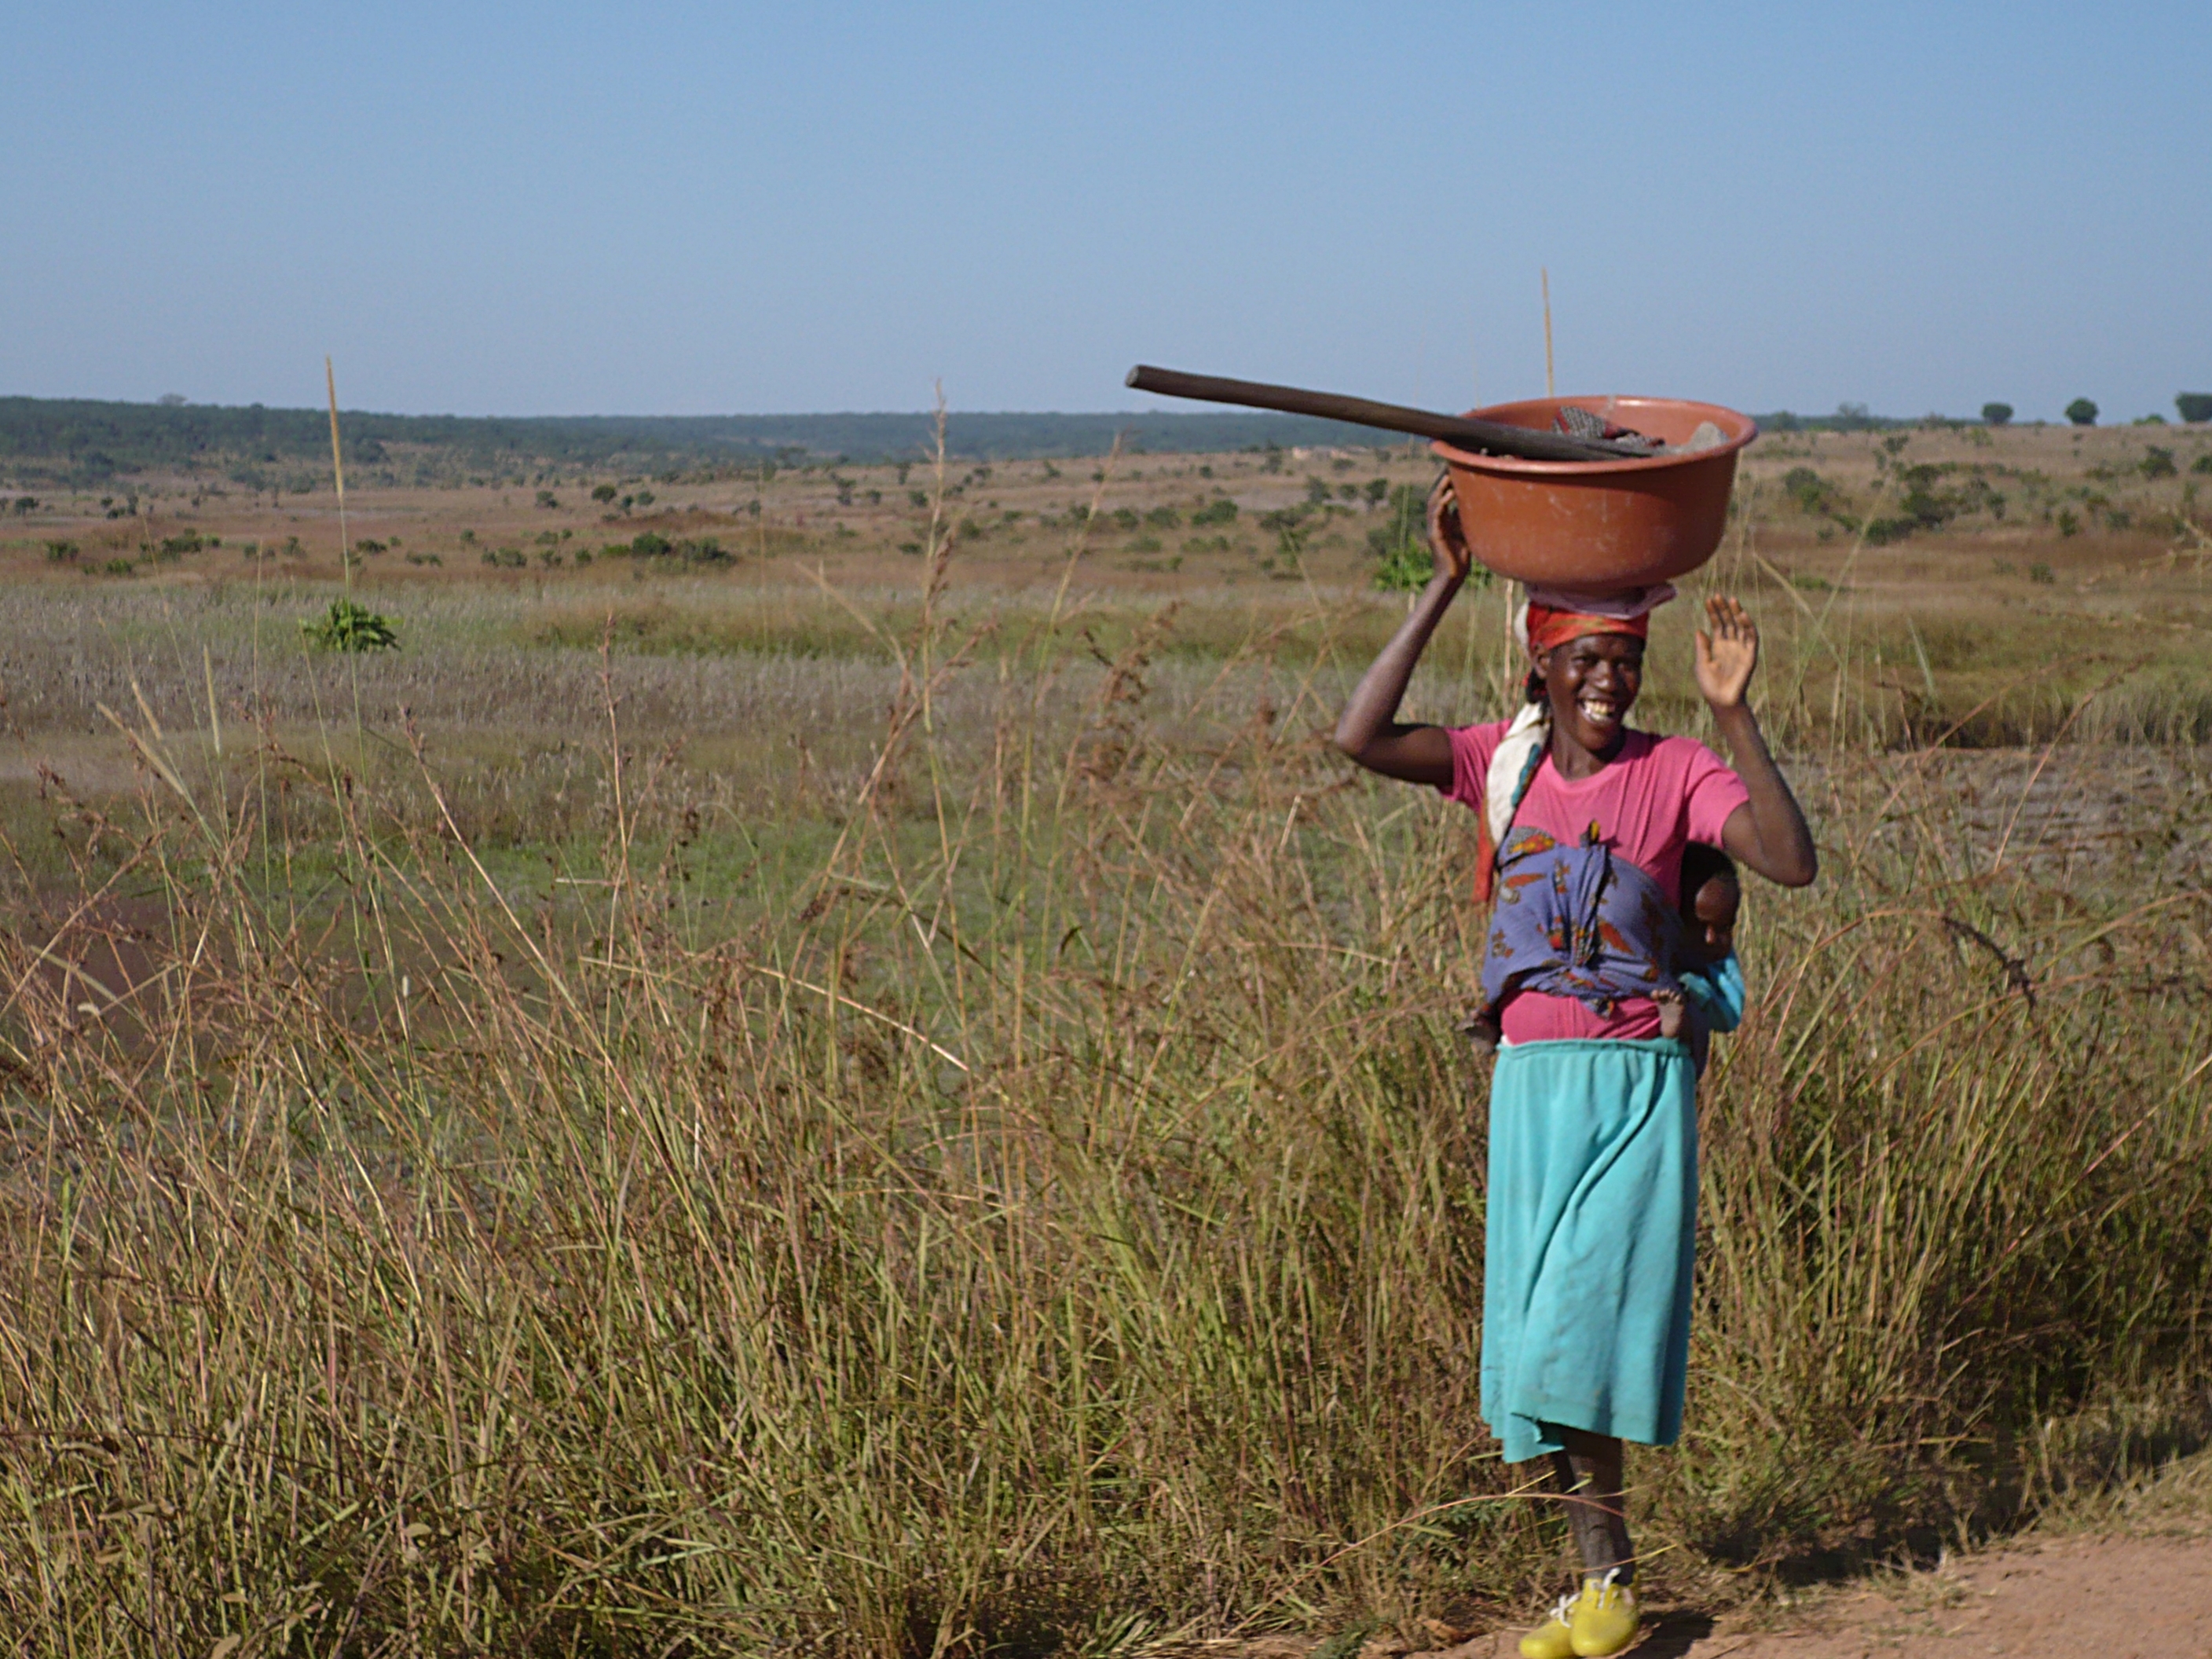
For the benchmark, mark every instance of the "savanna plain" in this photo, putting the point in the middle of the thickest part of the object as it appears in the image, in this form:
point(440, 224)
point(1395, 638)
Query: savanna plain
point(822, 1058)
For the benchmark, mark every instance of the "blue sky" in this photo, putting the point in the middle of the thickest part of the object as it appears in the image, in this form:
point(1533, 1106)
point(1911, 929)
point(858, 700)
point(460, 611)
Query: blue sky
point(671, 209)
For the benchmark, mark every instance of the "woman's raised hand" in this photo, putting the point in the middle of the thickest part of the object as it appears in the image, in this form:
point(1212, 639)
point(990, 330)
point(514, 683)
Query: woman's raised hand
point(1447, 540)
point(1728, 651)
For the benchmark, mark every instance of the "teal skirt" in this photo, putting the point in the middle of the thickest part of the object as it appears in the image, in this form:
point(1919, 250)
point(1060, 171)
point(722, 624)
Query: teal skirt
point(1589, 1240)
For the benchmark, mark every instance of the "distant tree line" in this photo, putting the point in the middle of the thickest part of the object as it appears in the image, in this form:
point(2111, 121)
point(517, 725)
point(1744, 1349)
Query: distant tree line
point(85, 442)
point(82, 442)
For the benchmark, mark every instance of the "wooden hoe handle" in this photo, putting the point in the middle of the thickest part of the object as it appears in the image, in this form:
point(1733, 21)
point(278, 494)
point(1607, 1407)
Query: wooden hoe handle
point(1489, 437)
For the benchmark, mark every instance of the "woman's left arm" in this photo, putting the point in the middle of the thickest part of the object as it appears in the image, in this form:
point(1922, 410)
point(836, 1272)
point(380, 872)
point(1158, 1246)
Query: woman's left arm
point(1768, 832)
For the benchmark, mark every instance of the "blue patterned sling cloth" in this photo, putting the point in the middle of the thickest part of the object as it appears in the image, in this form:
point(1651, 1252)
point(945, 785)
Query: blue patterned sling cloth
point(1575, 921)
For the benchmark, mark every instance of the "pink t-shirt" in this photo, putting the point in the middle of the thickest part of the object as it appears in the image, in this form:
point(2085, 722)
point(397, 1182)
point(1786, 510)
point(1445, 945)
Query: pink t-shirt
point(1652, 799)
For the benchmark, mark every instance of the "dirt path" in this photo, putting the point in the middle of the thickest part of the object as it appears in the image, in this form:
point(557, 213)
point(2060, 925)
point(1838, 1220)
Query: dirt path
point(2083, 1598)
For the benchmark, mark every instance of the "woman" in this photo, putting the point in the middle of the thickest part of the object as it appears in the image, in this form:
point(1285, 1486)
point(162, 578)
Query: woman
point(1591, 1214)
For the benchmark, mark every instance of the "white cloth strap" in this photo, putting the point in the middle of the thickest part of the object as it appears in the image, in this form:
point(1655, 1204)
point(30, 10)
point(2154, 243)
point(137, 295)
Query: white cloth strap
point(1513, 767)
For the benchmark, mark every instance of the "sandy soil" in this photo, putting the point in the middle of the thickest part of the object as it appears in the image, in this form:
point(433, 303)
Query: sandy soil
point(2112, 1598)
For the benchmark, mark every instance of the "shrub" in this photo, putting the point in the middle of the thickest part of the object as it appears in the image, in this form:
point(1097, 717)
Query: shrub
point(504, 558)
point(1221, 510)
point(547, 499)
point(2203, 463)
point(2081, 412)
point(2194, 406)
point(61, 552)
point(647, 545)
point(1400, 546)
point(2157, 462)
point(1807, 488)
point(25, 505)
point(350, 625)
point(604, 494)
point(2041, 572)
point(1997, 414)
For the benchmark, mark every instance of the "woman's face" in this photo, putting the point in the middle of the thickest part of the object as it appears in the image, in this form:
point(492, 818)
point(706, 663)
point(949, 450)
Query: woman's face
point(1592, 683)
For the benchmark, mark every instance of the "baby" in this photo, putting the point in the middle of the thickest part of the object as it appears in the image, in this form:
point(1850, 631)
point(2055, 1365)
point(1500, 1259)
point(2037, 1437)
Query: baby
point(1705, 963)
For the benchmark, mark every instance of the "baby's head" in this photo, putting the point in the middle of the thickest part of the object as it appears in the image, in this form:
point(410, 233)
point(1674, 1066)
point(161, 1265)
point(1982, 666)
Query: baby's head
point(1711, 895)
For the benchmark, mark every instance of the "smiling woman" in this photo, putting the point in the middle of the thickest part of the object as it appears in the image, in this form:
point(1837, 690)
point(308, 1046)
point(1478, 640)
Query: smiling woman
point(1591, 1207)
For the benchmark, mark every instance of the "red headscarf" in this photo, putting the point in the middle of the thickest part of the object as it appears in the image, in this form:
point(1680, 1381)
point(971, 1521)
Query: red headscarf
point(1549, 626)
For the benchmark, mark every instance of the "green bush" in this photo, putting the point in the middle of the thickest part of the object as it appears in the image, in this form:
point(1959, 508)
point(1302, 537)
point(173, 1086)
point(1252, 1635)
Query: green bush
point(1807, 488)
point(1400, 545)
point(2157, 462)
point(2194, 406)
point(2082, 412)
point(61, 552)
point(1220, 510)
point(1997, 414)
point(350, 625)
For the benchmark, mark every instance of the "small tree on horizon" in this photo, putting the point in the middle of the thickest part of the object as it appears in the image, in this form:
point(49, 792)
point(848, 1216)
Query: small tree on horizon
point(2081, 412)
point(2195, 406)
point(1996, 414)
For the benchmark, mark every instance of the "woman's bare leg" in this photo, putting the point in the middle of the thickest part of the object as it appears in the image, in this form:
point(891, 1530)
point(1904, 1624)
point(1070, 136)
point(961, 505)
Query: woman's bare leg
point(1589, 1471)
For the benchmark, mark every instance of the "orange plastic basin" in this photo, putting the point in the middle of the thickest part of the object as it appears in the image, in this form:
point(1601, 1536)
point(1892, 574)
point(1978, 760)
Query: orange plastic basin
point(1601, 526)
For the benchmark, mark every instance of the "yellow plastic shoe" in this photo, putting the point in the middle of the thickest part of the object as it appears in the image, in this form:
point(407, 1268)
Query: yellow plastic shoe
point(1551, 1639)
point(1603, 1620)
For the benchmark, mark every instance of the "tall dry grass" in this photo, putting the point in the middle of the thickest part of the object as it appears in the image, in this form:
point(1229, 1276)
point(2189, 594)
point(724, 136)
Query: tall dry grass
point(1048, 1219)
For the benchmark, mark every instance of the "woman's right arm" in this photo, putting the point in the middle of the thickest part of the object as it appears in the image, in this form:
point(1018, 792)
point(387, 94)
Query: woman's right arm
point(1369, 731)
